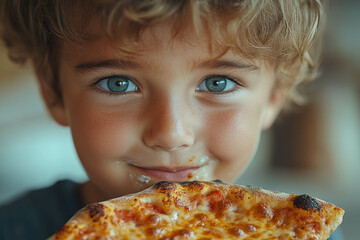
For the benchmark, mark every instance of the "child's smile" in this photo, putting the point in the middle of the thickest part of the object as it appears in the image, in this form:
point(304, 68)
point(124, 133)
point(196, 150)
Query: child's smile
point(188, 170)
point(172, 111)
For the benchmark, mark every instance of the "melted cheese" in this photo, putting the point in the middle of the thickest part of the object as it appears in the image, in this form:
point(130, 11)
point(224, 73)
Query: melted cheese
point(202, 210)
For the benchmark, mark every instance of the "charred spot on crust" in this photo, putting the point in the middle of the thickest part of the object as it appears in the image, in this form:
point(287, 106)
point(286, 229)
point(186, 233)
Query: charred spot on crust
point(307, 203)
point(165, 187)
point(96, 211)
point(64, 230)
point(185, 183)
point(193, 185)
point(218, 181)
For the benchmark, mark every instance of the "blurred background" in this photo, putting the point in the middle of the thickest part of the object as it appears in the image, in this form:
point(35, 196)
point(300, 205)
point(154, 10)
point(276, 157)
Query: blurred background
point(314, 150)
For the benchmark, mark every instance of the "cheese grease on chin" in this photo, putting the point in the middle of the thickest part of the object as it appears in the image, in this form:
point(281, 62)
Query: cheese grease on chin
point(144, 179)
point(204, 160)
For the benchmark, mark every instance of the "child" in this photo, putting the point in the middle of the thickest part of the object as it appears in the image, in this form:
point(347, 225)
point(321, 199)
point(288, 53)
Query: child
point(156, 90)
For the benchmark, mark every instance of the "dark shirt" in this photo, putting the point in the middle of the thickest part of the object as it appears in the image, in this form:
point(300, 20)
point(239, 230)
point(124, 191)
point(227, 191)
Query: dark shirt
point(40, 213)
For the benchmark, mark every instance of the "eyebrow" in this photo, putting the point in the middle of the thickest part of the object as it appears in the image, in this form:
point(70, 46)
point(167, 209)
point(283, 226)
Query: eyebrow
point(130, 65)
point(226, 64)
point(104, 64)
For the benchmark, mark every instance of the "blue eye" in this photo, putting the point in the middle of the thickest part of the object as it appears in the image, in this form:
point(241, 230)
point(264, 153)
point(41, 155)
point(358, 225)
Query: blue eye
point(117, 84)
point(217, 84)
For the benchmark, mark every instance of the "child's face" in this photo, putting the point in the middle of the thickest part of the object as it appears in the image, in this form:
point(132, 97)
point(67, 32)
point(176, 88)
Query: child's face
point(172, 112)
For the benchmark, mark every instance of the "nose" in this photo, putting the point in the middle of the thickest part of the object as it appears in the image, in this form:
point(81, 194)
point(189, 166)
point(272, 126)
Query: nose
point(168, 127)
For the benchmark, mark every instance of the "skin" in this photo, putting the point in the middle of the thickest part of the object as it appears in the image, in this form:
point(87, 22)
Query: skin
point(171, 127)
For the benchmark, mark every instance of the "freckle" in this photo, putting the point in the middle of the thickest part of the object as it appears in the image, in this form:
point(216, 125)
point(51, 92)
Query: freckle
point(192, 159)
point(190, 175)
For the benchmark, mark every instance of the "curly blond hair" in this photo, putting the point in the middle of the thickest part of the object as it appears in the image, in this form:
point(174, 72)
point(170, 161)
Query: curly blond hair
point(288, 32)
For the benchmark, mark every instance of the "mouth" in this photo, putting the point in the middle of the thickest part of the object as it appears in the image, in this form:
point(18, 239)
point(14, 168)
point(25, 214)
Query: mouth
point(168, 174)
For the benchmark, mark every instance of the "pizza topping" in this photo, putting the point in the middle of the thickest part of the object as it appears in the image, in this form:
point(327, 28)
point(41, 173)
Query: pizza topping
point(307, 203)
point(184, 234)
point(127, 215)
point(193, 185)
point(204, 210)
point(96, 211)
point(248, 228)
point(282, 216)
point(237, 232)
point(154, 232)
point(154, 208)
point(165, 186)
point(154, 220)
point(263, 210)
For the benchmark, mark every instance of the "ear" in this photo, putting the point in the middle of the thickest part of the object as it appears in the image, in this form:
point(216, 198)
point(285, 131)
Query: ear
point(55, 106)
point(275, 104)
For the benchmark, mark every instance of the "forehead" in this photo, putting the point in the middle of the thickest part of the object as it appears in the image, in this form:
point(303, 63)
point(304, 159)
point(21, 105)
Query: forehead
point(157, 40)
point(151, 37)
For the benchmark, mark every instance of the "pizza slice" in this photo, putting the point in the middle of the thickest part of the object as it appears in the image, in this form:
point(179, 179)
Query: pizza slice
point(204, 210)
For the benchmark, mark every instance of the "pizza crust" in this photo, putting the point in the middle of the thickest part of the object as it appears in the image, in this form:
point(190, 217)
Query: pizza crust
point(204, 210)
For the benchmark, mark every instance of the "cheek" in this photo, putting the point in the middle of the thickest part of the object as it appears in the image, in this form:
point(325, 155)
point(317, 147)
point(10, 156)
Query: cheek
point(101, 139)
point(232, 138)
point(99, 135)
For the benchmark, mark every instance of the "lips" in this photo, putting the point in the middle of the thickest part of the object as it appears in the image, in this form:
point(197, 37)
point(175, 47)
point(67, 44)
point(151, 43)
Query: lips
point(168, 174)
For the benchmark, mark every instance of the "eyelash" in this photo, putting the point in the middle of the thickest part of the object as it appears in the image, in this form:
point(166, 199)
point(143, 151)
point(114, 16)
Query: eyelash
point(108, 93)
